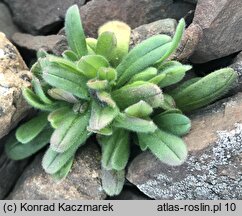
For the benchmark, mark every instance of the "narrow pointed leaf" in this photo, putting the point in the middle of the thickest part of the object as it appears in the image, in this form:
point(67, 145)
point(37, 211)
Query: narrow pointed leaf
point(74, 31)
point(169, 148)
point(60, 94)
point(175, 40)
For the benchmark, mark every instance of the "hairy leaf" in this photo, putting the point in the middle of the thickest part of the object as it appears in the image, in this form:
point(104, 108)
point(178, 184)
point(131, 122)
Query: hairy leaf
point(18, 151)
point(174, 123)
point(29, 130)
point(71, 131)
point(74, 31)
point(140, 110)
point(145, 75)
point(115, 150)
point(169, 148)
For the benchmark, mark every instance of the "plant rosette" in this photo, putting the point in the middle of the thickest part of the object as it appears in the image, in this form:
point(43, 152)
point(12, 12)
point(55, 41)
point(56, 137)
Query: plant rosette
point(101, 87)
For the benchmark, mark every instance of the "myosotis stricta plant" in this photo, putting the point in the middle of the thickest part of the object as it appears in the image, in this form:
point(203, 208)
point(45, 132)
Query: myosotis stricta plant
point(100, 87)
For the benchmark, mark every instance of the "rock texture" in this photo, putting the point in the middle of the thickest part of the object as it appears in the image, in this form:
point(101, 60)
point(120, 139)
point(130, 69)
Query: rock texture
point(40, 17)
point(237, 66)
point(163, 26)
point(134, 12)
point(51, 43)
point(83, 182)
point(6, 24)
point(13, 76)
point(213, 169)
point(9, 172)
point(221, 25)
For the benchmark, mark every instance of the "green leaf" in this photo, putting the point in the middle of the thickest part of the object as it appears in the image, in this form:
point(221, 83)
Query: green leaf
point(142, 56)
point(174, 123)
point(137, 91)
point(122, 33)
point(29, 130)
point(175, 40)
point(18, 151)
point(91, 42)
point(145, 75)
point(91, 63)
point(63, 79)
point(106, 44)
point(97, 84)
point(64, 171)
point(109, 74)
point(101, 116)
point(206, 90)
point(71, 131)
point(64, 64)
point(134, 124)
point(173, 75)
point(169, 148)
point(39, 91)
point(57, 116)
point(105, 99)
point(168, 103)
point(70, 55)
point(140, 110)
point(113, 181)
point(183, 85)
point(36, 102)
point(52, 161)
point(74, 31)
point(115, 150)
point(60, 94)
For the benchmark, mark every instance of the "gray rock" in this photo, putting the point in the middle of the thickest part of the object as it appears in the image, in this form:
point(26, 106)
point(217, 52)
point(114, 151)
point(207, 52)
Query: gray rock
point(221, 25)
point(164, 26)
point(134, 12)
point(40, 17)
point(14, 75)
point(51, 43)
point(213, 169)
point(9, 171)
point(6, 24)
point(83, 182)
point(237, 66)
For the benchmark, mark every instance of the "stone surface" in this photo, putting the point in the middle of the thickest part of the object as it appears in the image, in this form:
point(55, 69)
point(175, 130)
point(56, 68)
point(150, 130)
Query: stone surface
point(14, 75)
point(237, 66)
point(51, 43)
point(213, 169)
point(163, 26)
point(134, 12)
point(40, 17)
point(130, 194)
point(221, 25)
point(9, 172)
point(6, 24)
point(83, 182)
